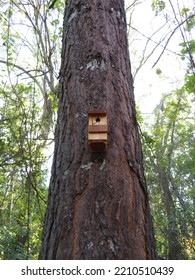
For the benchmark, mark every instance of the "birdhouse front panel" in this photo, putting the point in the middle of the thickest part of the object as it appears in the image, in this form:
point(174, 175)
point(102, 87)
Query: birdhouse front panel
point(97, 130)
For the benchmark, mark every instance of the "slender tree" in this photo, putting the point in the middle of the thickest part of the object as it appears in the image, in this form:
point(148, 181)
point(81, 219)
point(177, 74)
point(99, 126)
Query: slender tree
point(29, 37)
point(169, 162)
point(98, 204)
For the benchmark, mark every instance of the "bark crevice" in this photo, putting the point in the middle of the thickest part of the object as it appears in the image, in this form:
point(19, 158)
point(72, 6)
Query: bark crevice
point(98, 204)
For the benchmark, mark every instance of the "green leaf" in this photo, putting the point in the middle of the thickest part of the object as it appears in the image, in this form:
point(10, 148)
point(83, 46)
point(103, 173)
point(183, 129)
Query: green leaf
point(158, 6)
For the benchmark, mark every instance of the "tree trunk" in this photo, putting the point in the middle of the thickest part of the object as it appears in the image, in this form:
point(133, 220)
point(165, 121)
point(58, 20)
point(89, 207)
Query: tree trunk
point(175, 251)
point(98, 204)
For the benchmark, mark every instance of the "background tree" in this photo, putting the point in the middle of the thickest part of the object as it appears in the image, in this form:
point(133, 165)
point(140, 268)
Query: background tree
point(98, 204)
point(169, 164)
point(30, 37)
point(168, 142)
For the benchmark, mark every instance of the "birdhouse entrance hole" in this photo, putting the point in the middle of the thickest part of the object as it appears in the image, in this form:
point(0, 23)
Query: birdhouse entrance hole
point(97, 130)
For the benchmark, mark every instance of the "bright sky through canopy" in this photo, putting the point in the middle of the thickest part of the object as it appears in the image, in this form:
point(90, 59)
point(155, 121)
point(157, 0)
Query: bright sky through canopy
point(148, 85)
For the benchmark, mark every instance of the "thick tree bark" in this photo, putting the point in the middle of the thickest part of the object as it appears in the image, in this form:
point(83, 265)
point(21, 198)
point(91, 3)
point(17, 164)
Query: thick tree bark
point(98, 204)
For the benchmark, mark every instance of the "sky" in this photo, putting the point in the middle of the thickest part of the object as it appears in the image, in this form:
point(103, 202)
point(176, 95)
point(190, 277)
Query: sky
point(148, 86)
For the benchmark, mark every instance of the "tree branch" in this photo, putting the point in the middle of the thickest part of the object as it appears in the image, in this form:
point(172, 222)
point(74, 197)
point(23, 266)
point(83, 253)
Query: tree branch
point(172, 33)
point(51, 6)
point(26, 72)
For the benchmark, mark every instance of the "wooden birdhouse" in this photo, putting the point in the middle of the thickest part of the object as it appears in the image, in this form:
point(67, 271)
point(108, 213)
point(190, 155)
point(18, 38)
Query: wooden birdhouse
point(97, 130)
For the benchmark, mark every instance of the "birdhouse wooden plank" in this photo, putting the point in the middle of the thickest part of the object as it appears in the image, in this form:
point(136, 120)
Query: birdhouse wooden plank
point(97, 130)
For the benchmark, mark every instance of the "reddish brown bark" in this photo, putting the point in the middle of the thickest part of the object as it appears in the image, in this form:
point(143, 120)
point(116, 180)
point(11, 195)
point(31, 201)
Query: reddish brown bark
point(98, 204)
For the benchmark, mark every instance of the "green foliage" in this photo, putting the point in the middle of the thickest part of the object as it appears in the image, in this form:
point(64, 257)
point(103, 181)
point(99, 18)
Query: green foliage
point(188, 47)
point(170, 157)
point(22, 174)
point(184, 12)
point(158, 71)
point(169, 164)
point(158, 6)
point(29, 64)
point(190, 83)
point(139, 116)
point(190, 23)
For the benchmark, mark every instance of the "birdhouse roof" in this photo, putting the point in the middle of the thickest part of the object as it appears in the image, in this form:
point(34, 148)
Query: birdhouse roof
point(97, 112)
